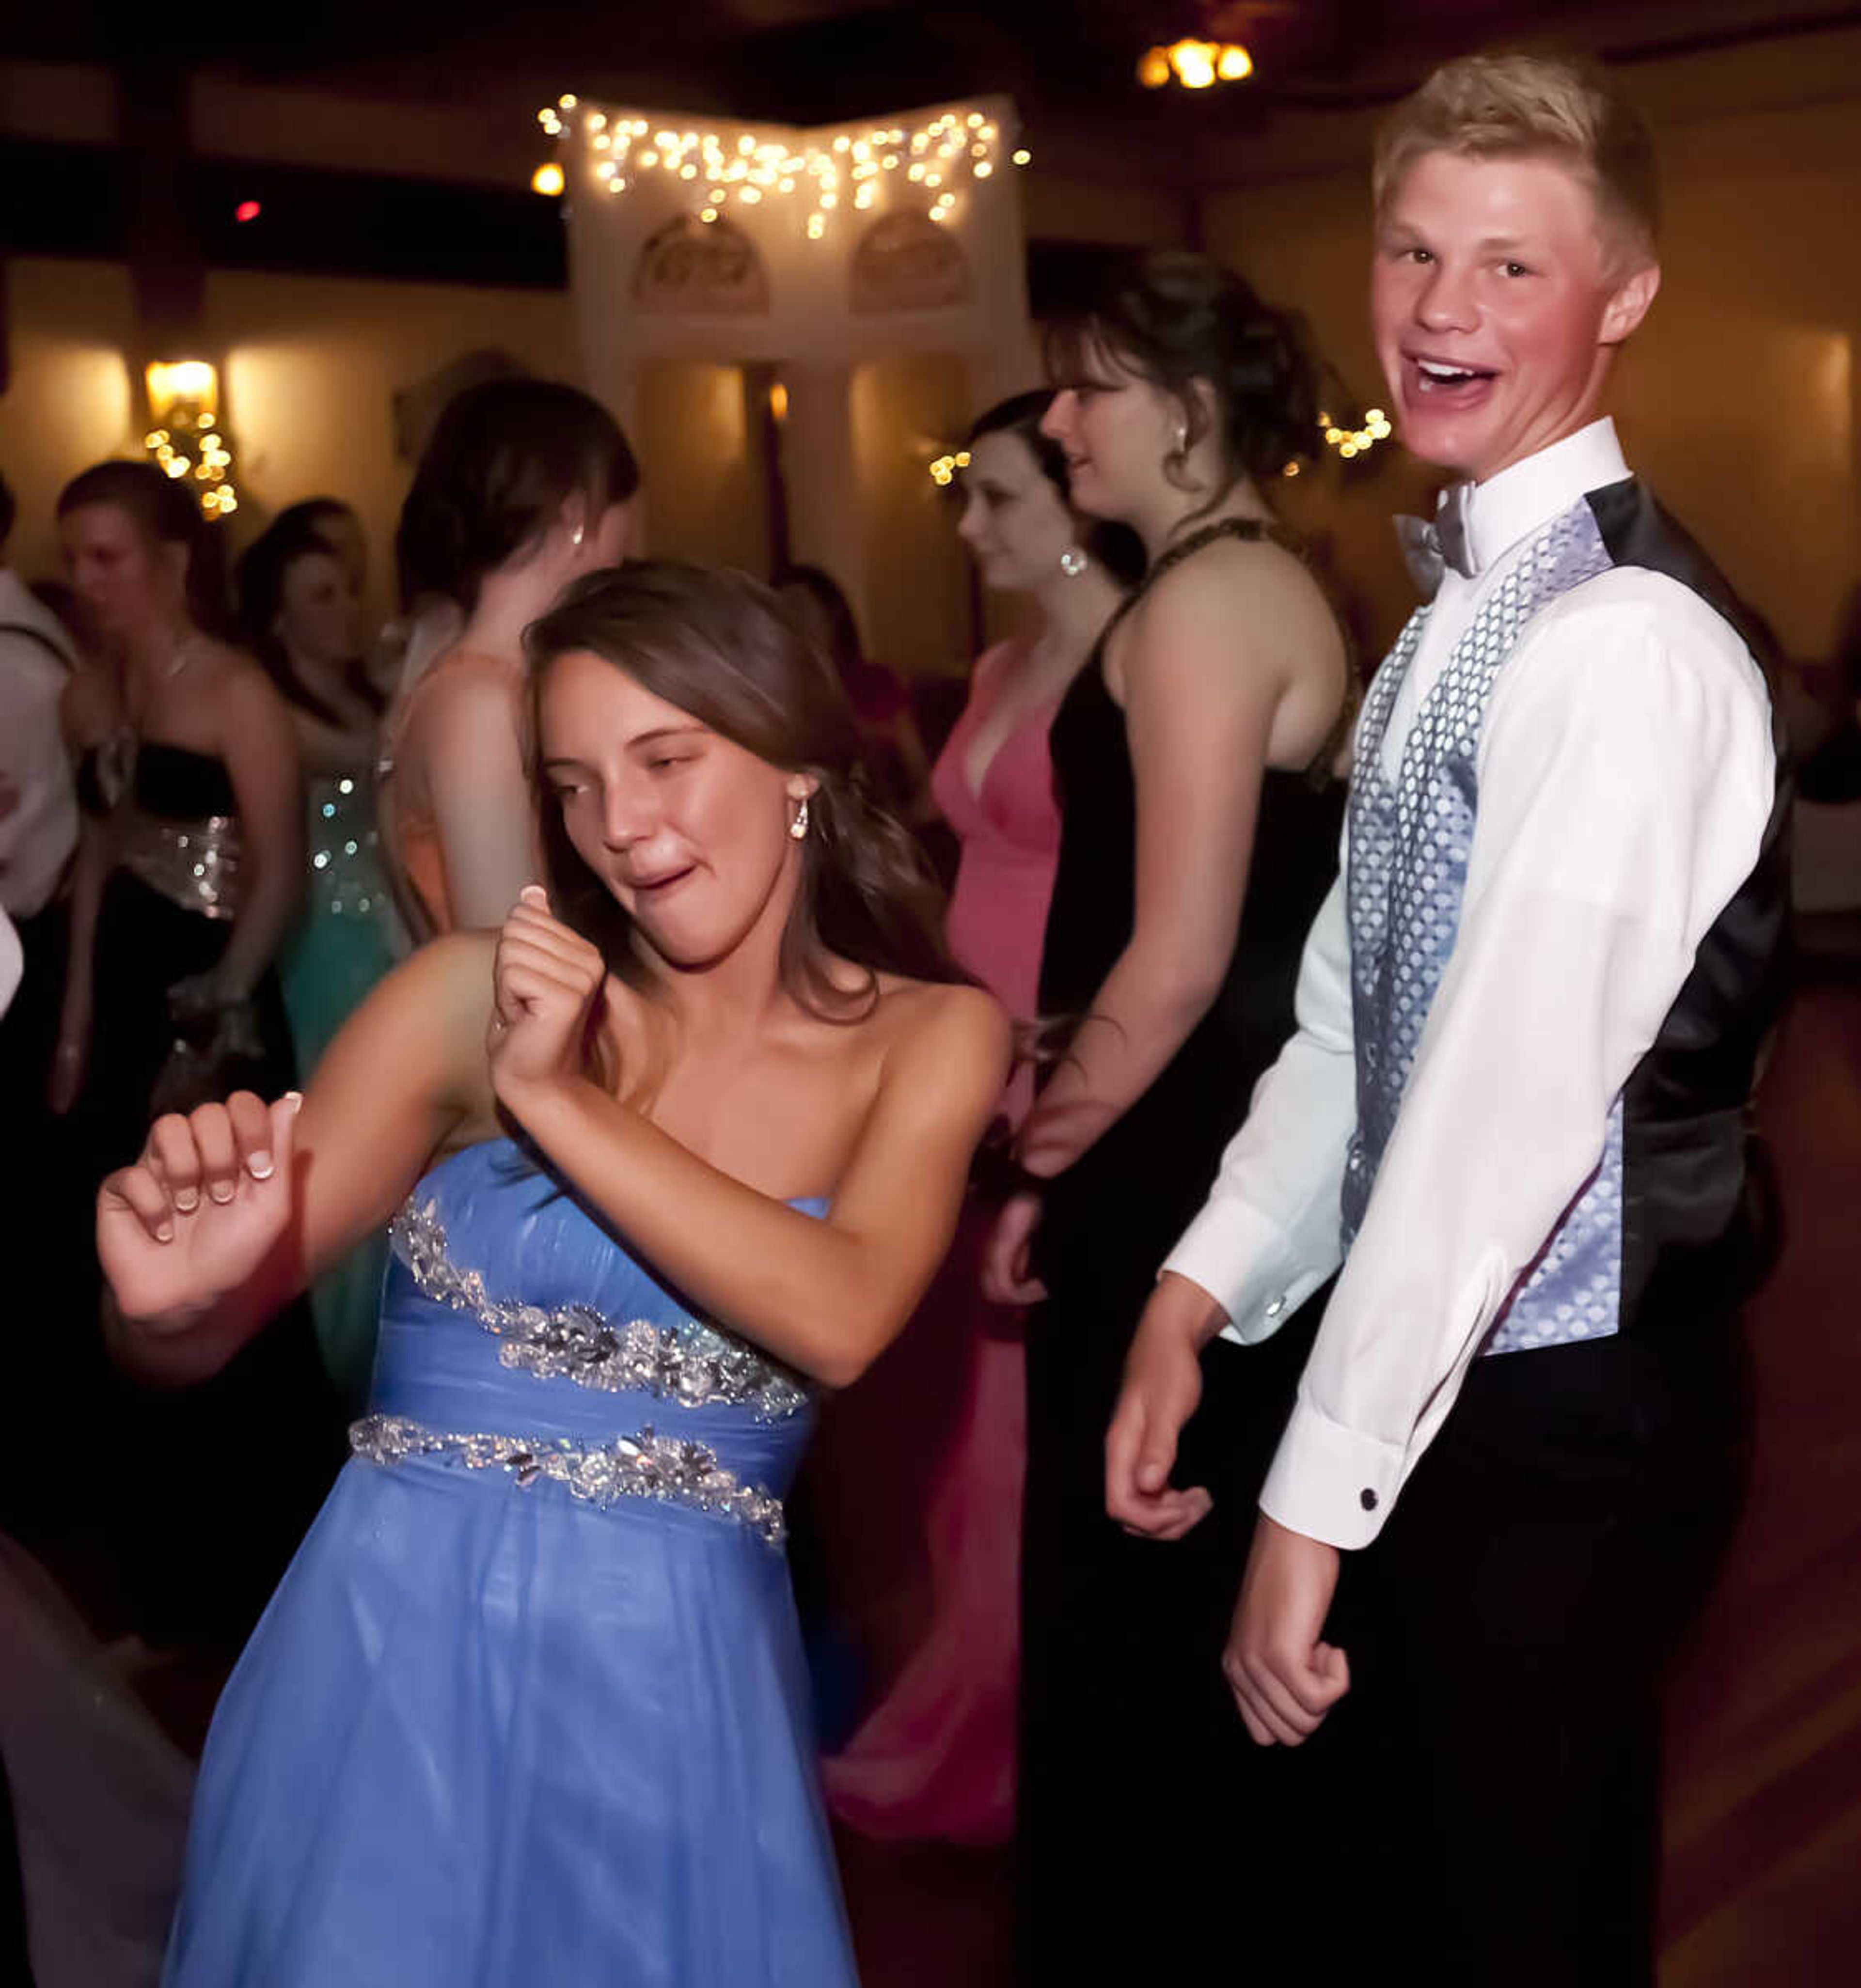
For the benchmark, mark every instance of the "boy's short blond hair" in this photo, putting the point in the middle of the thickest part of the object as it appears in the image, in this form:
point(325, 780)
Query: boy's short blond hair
point(1550, 107)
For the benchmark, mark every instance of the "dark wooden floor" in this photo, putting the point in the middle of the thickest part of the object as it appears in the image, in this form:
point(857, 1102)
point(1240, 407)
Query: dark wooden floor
point(1764, 1800)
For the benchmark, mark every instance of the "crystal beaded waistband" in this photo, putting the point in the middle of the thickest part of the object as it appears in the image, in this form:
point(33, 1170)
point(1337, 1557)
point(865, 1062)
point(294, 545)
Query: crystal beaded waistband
point(692, 1363)
point(665, 1469)
point(196, 864)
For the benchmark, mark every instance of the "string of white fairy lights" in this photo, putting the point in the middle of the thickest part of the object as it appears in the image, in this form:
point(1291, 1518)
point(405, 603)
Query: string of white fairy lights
point(939, 158)
point(1349, 443)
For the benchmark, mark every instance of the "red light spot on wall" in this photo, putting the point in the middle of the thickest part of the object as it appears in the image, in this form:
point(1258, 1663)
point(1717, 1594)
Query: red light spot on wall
point(247, 210)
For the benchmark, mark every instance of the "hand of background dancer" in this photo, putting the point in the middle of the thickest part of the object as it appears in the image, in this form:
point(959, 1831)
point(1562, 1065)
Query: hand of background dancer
point(1284, 1678)
point(547, 982)
point(1006, 1277)
point(1162, 1388)
point(198, 1214)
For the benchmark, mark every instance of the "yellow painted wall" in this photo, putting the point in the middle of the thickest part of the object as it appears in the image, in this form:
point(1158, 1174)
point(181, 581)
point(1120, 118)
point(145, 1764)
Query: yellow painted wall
point(68, 403)
point(699, 465)
point(1059, 206)
point(916, 618)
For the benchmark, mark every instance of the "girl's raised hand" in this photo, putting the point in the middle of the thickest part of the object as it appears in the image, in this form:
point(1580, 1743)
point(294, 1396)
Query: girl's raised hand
point(197, 1214)
point(547, 990)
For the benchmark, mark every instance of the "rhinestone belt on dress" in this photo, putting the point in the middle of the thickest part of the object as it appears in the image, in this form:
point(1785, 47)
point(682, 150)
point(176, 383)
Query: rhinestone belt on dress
point(668, 1469)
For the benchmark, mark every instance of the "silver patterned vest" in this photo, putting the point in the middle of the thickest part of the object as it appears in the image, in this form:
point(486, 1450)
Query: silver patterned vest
point(1678, 1124)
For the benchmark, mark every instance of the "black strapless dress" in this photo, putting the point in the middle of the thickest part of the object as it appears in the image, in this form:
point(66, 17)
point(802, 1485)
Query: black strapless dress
point(1137, 1787)
point(148, 936)
point(204, 1492)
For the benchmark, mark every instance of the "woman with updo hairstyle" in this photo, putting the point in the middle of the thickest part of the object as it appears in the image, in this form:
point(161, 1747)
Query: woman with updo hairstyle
point(929, 1588)
point(525, 485)
point(676, 1151)
point(188, 879)
point(1193, 759)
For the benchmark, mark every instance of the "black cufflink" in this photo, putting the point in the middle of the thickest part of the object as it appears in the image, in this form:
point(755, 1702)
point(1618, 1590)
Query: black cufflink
point(1367, 1500)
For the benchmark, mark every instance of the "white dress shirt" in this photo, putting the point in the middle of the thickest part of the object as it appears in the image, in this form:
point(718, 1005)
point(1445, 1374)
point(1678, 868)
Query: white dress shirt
point(12, 963)
point(1626, 776)
point(38, 807)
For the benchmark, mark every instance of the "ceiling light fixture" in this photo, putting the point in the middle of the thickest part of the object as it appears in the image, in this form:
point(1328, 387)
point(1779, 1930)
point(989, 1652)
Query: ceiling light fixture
point(1194, 64)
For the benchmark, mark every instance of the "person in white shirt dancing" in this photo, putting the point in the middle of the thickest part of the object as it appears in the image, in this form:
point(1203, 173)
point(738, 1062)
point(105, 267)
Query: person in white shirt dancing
point(1530, 1015)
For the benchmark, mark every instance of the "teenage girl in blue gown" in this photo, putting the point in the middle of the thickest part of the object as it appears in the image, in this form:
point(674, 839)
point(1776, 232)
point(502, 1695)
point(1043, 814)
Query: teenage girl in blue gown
point(679, 1146)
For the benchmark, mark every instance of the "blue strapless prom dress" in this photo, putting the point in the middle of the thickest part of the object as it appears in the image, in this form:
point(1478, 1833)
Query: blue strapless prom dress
point(530, 1704)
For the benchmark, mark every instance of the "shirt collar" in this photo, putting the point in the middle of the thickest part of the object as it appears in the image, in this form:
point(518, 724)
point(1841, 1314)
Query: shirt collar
point(1502, 510)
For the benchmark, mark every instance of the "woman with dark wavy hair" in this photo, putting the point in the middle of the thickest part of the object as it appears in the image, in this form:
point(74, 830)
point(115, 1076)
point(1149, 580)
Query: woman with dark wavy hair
point(525, 485)
point(1192, 760)
point(677, 1148)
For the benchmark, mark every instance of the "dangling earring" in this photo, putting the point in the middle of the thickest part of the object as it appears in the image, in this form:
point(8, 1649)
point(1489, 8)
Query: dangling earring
point(798, 827)
point(1182, 437)
point(575, 539)
point(1073, 562)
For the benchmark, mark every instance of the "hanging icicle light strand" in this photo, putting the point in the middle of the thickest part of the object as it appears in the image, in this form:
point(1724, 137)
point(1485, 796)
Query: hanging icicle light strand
point(954, 150)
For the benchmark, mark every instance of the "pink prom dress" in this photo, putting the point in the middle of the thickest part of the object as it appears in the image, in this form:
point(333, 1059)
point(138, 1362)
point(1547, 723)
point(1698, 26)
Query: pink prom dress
point(933, 1585)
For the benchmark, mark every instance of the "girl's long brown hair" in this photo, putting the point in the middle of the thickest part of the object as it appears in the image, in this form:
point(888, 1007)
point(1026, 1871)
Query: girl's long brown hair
point(720, 646)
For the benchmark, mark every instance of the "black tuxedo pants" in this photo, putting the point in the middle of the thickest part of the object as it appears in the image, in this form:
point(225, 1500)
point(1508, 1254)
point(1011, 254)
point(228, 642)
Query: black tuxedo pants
point(1148, 1824)
point(1485, 1802)
point(1508, 1633)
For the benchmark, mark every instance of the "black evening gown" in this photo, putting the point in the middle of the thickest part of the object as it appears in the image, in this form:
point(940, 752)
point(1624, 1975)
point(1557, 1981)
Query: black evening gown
point(206, 1491)
point(1140, 1805)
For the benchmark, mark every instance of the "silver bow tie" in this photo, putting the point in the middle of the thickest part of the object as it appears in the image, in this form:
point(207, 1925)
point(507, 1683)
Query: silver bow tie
point(1431, 545)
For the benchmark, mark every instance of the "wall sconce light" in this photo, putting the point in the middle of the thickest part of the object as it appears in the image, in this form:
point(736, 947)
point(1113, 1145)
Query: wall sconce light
point(778, 401)
point(193, 381)
point(185, 436)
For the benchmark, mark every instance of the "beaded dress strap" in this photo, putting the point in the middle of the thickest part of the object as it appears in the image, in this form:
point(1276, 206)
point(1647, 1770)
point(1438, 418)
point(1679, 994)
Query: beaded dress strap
point(1251, 531)
point(1172, 556)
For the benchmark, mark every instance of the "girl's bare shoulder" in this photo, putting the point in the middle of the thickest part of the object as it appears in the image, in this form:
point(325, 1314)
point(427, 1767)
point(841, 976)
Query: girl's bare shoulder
point(953, 1018)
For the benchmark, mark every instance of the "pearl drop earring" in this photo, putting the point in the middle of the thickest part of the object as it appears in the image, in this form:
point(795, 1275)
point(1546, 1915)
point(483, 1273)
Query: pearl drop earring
point(798, 827)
